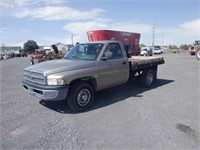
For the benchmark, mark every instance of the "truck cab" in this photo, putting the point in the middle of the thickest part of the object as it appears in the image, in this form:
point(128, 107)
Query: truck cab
point(109, 61)
point(99, 65)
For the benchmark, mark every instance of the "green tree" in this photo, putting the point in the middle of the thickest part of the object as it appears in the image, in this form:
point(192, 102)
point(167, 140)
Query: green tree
point(172, 47)
point(30, 46)
point(184, 46)
point(142, 45)
point(3, 48)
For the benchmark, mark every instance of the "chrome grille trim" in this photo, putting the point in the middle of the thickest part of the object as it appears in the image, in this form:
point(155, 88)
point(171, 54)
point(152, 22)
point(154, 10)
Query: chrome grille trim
point(34, 77)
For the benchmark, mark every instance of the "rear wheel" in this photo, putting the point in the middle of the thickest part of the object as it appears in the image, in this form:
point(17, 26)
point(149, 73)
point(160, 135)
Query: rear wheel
point(198, 54)
point(80, 96)
point(148, 77)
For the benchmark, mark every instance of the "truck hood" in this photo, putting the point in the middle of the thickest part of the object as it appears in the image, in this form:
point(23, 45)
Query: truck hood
point(56, 66)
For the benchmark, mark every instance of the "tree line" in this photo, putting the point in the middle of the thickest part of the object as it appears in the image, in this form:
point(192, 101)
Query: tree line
point(175, 47)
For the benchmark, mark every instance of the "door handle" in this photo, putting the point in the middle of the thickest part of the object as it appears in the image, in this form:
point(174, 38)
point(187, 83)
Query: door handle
point(124, 63)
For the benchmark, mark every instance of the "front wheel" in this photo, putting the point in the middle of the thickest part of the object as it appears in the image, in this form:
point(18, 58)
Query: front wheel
point(198, 54)
point(80, 96)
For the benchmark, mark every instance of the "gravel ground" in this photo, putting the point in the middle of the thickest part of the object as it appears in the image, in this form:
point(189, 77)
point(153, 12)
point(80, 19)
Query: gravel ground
point(166, 116)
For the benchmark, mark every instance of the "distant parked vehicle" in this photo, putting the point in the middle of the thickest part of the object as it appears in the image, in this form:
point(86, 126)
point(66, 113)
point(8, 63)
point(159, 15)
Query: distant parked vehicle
point(195, 49)
point(6, 56)
point(157, 50)
point(146, 51)
point(17, 55)
point(1, 56)
point(162, 50)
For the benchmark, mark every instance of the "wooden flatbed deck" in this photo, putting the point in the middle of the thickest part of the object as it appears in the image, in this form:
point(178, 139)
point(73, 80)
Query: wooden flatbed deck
point(143, 62)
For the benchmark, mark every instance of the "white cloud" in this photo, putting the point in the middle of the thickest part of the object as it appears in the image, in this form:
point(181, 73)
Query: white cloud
point(53, 2)
point(4, 30)
point(59, 13)
point(79, 29)
point(185, 33)
point(191, 29)
point(192, 25)
point(50, 10)
point(53, 40)
point(4, 4)
point(21, 3)
point(103, 19)
point(31, 3)
point(132, 27)
point(25, 31)
point(84, 26)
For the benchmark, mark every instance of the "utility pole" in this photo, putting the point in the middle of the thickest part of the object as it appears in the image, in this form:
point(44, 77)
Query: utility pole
point(153, 28)
point(163, 39)
point(72, 38)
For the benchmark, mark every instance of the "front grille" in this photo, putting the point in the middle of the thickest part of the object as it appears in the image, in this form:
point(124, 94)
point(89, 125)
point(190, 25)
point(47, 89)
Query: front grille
point(35, 77)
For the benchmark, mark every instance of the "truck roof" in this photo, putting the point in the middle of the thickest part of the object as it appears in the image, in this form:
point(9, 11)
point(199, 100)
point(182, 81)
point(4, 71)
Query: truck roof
point(103, 41)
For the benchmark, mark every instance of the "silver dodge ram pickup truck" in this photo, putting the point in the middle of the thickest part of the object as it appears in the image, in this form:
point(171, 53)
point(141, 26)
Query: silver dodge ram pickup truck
point(85, 69)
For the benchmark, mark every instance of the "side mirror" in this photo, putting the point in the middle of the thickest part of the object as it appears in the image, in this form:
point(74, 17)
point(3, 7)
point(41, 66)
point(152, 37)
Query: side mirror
point(107, 55)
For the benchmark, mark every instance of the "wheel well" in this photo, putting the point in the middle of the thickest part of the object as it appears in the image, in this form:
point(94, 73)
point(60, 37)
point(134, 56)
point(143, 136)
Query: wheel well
point(90, 80)
point(154, 69)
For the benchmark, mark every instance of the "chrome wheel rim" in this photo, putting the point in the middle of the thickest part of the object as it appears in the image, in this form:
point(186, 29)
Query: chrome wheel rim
point(83, 97)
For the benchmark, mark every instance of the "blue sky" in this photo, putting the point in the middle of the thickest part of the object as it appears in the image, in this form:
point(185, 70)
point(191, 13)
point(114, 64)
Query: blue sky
point(51, 21)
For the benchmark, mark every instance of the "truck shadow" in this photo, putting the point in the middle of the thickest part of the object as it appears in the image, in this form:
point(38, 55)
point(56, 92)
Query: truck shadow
point(108, 96)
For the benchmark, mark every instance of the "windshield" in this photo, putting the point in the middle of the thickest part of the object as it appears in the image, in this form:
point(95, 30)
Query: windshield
point(89, 51)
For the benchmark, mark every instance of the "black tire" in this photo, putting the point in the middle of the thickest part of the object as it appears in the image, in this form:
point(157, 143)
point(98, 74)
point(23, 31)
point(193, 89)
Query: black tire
point(148, 77)
point(198, 54)
point(80, 96)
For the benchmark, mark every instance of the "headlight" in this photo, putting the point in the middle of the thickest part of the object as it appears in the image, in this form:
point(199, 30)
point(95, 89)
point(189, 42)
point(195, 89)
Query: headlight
point(54, 81)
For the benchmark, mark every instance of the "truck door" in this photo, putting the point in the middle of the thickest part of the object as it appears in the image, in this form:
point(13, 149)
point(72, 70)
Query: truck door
point(114, 70)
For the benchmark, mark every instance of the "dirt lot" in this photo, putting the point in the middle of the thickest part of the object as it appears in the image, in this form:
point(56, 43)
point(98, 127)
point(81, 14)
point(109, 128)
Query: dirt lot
point(166, 116)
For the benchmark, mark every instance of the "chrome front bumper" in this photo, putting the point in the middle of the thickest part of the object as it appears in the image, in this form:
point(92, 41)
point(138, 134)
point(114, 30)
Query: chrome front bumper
point(51, 93)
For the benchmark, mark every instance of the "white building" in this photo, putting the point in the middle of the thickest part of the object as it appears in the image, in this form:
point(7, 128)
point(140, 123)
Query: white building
point(63, 47)
point(8, 49)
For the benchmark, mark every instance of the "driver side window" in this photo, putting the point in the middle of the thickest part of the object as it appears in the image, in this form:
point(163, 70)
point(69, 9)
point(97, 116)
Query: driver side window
point(115, 49)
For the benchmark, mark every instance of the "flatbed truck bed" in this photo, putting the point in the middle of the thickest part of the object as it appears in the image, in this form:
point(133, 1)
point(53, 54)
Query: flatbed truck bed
point(144, 62)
